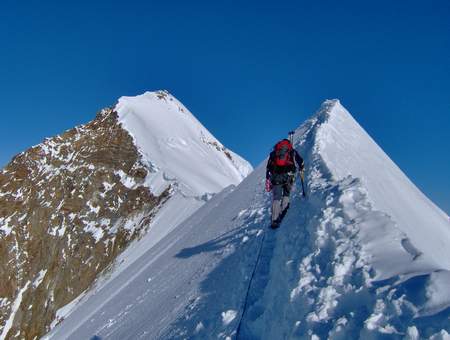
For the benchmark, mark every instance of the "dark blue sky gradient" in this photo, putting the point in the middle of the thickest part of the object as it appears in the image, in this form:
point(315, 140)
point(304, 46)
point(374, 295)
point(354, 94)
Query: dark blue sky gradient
point(249, 70)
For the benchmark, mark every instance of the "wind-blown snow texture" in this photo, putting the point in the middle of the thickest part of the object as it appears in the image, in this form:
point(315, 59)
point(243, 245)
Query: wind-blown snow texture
point(362, 256)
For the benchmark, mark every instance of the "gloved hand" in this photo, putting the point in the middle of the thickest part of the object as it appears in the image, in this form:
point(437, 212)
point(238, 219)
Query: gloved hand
point(268, 185)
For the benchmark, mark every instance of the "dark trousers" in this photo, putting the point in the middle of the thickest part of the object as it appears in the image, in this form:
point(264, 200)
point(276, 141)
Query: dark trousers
point(281, 192)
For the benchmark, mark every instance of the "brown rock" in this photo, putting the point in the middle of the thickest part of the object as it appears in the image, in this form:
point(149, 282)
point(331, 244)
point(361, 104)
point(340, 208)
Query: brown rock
point(66, 207)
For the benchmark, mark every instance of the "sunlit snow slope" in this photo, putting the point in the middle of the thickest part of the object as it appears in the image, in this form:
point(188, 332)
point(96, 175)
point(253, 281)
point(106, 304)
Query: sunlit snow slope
point(177, 146)
point(178, 151)
point(184, 160)
point(359, 257)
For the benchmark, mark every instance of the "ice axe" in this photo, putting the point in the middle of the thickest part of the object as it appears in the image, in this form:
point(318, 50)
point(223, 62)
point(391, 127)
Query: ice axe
point(291, 137)
point(302, 175)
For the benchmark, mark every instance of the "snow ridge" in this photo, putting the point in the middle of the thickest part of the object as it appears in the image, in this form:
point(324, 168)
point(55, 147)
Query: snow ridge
point(348, 150)
point(339, 267)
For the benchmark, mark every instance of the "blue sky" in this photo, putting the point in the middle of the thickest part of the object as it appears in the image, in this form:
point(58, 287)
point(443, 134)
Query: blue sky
point(249, 70)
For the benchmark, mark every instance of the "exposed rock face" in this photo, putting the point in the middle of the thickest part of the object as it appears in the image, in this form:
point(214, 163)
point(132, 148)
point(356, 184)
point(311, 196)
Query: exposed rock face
point(68, 207)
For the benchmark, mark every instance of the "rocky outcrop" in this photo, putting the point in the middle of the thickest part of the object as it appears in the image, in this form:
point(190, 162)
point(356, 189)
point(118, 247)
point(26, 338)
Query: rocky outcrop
point(68, 207)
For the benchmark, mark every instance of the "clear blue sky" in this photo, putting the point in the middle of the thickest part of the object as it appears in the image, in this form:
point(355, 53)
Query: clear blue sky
point(249, 70)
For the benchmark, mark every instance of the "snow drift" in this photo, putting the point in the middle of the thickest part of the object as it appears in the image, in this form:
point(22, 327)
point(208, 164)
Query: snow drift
point(362, 256)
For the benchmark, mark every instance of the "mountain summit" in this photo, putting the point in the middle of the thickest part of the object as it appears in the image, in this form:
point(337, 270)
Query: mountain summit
point(72, 204)
point(364, 255)
point(177, 147)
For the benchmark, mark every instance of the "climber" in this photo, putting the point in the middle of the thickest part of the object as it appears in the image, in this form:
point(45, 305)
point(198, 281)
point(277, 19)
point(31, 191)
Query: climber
point(280, 176)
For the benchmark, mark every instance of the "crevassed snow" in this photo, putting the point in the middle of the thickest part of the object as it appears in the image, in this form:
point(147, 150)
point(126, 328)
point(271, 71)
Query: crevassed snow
point(178, 147)
point(341, 266)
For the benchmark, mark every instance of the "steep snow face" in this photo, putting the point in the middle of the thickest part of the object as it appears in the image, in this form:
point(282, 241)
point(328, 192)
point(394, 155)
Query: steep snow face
point(339, 267)
point(178, 148)
point(202, 267)
point(417, 224)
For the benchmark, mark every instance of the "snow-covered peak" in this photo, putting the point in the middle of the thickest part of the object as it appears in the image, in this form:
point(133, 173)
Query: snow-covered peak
point(333, 270)
point(327, 108)
point(177, 147)
point(420, 229)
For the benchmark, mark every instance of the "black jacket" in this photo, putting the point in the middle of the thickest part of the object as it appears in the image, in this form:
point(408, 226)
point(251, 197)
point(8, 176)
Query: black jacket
point(272, 168)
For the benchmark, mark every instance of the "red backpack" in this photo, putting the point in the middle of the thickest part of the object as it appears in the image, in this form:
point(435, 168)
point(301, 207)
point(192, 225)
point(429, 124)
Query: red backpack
point(283, 153)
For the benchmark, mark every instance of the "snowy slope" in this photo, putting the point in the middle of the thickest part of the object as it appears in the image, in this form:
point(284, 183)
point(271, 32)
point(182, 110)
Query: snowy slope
point(177, 147)
point(422, 226)
point(150, 141)
point(178, 152)
point(346, 263)
point(147, 296)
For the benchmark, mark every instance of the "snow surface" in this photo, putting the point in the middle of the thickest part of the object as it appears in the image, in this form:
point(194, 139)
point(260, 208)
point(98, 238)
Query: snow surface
point(345, 263)
point(422, 226)
point(177, 147)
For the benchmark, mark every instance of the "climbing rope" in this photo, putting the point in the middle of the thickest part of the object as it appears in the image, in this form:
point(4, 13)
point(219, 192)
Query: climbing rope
point(238, 329)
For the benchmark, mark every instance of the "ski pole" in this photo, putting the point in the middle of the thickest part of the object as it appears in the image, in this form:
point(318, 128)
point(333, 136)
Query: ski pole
point(302, 179)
